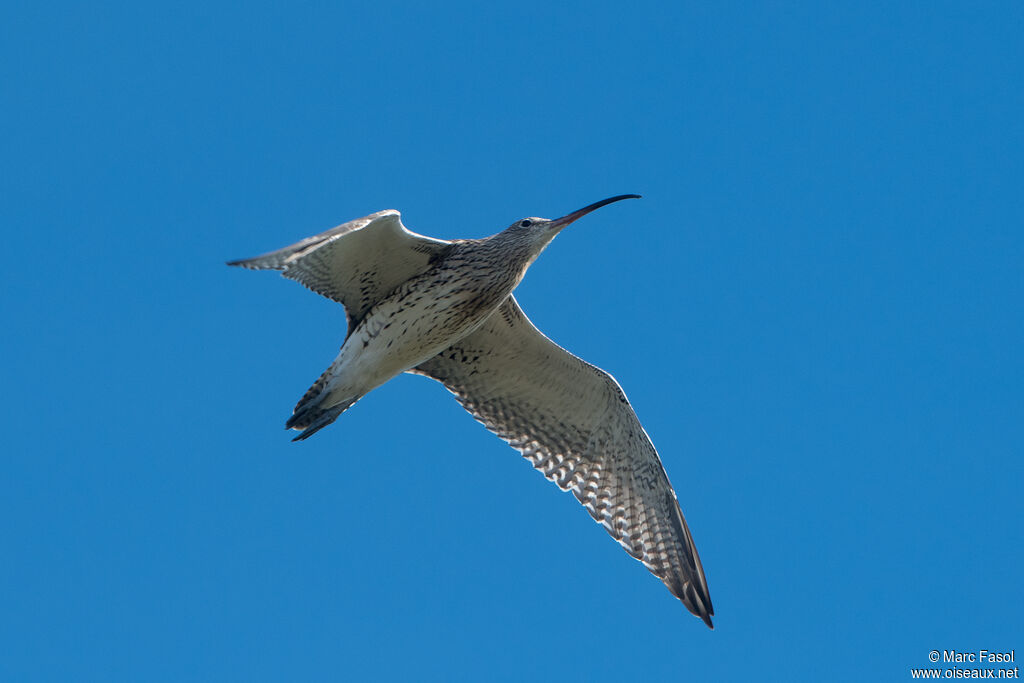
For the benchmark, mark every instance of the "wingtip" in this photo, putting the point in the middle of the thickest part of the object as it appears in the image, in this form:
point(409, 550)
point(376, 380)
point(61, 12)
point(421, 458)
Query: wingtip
point(700, 606)
point(696, 600)
point(705, 610)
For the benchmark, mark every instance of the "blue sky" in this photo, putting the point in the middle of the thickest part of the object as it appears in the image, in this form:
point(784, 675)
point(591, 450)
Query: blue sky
point(815, 310)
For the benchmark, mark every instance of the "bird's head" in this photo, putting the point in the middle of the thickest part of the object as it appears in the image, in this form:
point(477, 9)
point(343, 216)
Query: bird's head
point(538, 232)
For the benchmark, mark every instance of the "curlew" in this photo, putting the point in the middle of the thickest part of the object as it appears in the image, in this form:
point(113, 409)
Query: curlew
point(445, 309)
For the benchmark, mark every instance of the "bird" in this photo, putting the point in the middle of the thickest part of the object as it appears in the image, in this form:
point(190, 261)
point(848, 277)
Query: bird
point(445, 309)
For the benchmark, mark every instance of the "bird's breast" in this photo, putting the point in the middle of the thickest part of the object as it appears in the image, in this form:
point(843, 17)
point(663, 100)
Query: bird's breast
point(420, 319)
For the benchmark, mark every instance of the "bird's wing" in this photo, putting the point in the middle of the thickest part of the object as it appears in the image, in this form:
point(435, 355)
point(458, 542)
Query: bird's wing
point(572, 421)
point(357, 263)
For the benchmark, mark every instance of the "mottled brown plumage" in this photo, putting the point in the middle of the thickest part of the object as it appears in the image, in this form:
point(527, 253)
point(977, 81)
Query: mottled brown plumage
point(444, 309)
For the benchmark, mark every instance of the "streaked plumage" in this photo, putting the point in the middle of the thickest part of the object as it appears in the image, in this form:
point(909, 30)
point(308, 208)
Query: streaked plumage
point(444, 309)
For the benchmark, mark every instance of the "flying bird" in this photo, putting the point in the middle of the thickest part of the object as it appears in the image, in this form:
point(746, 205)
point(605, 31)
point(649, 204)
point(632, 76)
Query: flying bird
point(445, 309)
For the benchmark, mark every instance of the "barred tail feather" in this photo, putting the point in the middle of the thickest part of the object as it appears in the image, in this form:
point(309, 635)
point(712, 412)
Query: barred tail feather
point(321, 405)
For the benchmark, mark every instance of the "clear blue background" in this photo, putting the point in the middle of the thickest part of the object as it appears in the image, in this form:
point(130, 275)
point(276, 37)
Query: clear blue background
point(816, 310)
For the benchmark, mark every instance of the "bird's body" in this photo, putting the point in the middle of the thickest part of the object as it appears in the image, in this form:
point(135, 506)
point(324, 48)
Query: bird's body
point(445, 309)
point(465, 283)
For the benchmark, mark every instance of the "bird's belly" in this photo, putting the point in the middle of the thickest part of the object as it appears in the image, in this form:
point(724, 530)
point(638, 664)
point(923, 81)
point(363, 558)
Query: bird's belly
point(414, 324)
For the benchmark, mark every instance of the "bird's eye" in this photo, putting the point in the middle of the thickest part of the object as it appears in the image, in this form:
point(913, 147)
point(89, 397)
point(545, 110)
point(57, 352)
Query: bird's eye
point(525, 223)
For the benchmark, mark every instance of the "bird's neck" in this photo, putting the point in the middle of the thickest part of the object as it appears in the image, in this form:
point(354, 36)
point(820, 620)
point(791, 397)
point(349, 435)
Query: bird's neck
point(511, 254)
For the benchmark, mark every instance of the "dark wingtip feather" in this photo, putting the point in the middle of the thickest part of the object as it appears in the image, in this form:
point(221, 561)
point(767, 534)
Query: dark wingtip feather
point(247, 263)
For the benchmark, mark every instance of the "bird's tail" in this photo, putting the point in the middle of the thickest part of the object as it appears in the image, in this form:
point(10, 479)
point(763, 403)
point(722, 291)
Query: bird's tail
point(313, 421)
point(319, 406)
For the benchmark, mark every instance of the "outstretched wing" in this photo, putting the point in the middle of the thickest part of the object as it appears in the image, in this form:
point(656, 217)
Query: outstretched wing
point(573, 422)
point(357, 263)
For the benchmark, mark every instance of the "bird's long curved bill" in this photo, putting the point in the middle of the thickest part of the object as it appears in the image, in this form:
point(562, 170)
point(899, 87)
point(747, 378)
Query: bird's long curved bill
point(580, 213)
